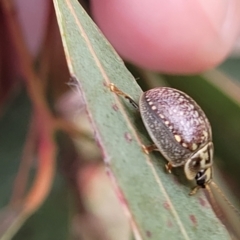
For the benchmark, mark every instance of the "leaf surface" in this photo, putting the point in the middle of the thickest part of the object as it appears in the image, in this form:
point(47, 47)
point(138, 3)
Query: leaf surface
point(157, 203)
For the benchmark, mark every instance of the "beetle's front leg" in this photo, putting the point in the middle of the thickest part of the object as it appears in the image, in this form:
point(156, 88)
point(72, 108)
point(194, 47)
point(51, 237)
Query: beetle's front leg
point(194, 190)
point(116, 90)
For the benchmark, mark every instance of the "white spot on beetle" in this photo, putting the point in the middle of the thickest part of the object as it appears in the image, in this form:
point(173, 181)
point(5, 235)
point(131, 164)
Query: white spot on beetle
point(154, 107)
point(178, 138)
point(194, 146)
point(185, 145)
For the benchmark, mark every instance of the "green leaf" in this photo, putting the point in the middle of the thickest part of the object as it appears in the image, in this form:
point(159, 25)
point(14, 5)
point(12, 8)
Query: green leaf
point(157, 203)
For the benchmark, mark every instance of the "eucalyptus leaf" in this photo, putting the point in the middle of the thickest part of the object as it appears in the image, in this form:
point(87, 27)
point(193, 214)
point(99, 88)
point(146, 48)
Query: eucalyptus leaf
point(157, 203)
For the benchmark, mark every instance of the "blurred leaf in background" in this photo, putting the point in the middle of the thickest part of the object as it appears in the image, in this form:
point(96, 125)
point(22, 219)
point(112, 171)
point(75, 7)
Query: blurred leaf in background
point(53, 180)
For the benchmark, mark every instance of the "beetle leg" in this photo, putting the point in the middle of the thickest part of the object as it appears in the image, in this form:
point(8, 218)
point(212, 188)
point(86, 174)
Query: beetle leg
point(169, 167)
point(194, 190)
point(116, 90)
point(150, 148)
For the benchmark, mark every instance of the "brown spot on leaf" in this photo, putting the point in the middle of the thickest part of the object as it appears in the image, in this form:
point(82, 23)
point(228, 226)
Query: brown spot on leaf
point(149, 234)
point(202, 201)
point(166, 205)
point(115, 107)
point(128, 137)
point(193, 219)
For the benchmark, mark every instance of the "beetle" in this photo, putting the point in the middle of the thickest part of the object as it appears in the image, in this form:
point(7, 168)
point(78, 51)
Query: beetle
point(179, 129)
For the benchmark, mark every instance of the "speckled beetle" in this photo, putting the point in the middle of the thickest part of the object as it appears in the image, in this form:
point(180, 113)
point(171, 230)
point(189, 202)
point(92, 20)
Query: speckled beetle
point(179, 129)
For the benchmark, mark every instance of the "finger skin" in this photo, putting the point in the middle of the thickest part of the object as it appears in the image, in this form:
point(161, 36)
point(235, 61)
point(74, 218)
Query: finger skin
point(170, 36)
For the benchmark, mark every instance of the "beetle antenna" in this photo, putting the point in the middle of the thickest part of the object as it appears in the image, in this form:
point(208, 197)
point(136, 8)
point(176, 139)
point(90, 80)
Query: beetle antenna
point(218, 211)
point(214, 204)
point(225, 198)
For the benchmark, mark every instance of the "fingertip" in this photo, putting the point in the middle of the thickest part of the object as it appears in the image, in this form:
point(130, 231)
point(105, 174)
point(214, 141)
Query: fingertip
point(187, 37)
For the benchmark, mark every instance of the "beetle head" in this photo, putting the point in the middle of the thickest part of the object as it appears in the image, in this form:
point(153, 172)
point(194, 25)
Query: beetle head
point(199, 165)
point(203, 177)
